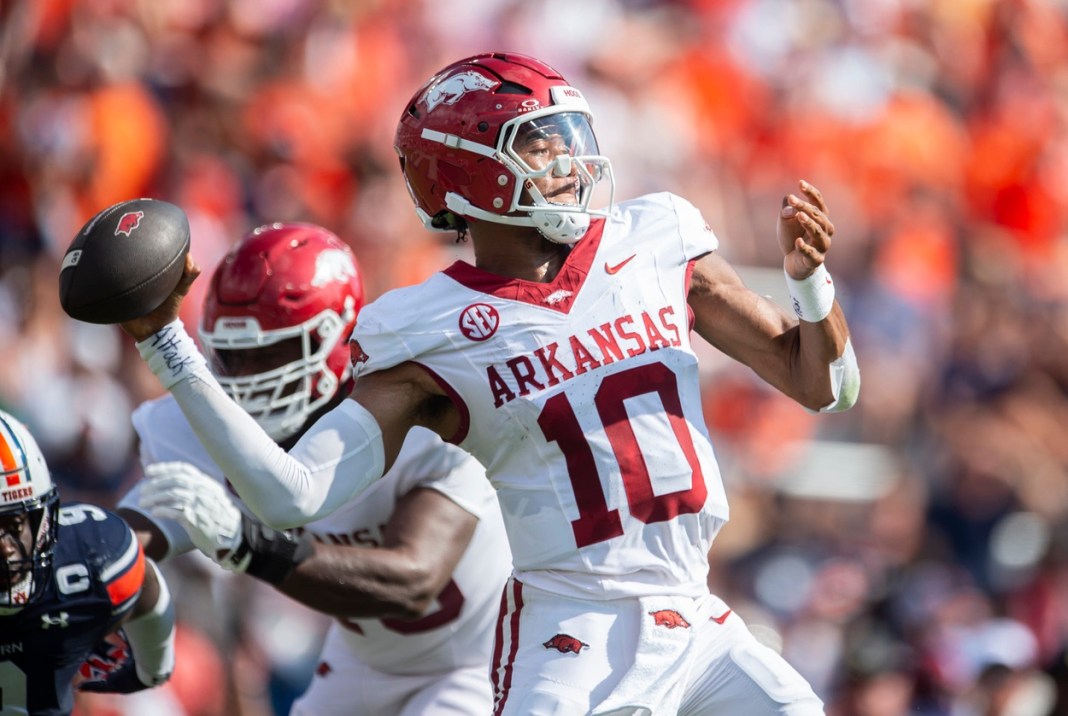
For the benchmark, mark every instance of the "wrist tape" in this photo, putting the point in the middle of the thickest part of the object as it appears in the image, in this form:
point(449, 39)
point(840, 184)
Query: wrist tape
point(268, 554)
point(172, 355)
point(812, 297)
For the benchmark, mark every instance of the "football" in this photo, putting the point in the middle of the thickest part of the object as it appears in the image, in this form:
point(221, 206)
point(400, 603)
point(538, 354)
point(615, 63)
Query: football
point(124, 262)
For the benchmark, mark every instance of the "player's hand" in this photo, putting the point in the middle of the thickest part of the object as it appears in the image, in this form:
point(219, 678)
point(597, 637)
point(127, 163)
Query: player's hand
point(143, 327)
point(804, 231)
point(110, 667)
point(178, 491)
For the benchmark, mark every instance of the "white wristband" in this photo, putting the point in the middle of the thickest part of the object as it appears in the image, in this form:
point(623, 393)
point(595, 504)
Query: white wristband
point(172, 355)
point(812, 297)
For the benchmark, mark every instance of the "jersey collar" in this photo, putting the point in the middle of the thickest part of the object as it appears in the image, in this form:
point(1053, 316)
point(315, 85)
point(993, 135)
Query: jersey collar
point(558, 295)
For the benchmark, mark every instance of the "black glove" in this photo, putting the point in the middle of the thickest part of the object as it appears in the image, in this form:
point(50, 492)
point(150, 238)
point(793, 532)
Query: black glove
point(269, 554)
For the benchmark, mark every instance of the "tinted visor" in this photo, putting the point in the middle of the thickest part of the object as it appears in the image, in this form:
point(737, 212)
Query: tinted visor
point(240, 362)
point(539, 141)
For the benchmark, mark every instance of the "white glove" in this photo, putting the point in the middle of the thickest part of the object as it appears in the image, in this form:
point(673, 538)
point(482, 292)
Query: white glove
point(180, 492)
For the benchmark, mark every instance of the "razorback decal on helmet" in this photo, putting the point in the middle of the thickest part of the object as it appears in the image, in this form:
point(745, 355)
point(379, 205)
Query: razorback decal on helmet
point(332, 266)
point(451, 89)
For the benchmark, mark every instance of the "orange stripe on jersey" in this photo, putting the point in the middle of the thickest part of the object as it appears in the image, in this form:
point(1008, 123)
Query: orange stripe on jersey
point(130, 582)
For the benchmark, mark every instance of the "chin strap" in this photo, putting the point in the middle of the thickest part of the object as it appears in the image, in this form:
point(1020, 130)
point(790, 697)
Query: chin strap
point(560, 227)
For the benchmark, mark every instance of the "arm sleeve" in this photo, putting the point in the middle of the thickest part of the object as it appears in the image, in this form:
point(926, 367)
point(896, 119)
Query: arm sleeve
point(151, 637)
point(340, 455)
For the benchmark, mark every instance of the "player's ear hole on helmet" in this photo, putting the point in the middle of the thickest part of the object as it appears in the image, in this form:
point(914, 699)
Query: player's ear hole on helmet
point(447, 220)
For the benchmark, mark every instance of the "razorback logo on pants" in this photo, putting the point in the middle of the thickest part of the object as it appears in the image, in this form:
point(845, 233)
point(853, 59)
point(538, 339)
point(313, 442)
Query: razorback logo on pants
point(565, 644)
point(669, 618)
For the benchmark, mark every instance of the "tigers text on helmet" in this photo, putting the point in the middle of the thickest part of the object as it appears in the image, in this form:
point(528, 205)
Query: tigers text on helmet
point(458, 139)
point(29, 503)
point(276, 323)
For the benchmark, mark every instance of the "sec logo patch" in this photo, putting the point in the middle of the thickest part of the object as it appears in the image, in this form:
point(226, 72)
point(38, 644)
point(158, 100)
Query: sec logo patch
point(479, 321)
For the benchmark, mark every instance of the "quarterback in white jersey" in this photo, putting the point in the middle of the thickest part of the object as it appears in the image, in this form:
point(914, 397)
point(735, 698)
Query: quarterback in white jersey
point(373, 662)
point(596, 384)
point(562, 360)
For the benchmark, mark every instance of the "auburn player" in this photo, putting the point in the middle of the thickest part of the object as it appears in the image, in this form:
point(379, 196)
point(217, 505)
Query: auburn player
point(72, 575)
point(412, 570)
point(563, 361)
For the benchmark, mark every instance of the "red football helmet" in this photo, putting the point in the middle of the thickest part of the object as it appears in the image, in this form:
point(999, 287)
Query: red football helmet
point(457, 144)
point(276, 323)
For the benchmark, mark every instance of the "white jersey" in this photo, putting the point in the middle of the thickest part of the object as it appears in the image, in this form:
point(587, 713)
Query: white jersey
point(581, 398)
point(457, 630)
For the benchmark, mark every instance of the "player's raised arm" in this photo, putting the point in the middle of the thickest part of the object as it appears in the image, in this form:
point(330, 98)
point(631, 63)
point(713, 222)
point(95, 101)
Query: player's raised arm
point(809, 357)
point(337, 458)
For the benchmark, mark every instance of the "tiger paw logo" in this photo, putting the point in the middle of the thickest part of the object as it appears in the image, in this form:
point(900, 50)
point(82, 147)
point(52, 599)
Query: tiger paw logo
point(128, 222)
point(565, 644)
point(669, 619)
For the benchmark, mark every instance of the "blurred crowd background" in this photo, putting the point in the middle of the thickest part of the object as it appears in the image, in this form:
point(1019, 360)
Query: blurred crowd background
point(910, 556)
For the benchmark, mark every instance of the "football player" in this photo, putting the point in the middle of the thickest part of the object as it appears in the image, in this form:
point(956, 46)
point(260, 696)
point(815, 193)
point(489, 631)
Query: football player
point(562, 360)
point(412, 571)
point(78, 598)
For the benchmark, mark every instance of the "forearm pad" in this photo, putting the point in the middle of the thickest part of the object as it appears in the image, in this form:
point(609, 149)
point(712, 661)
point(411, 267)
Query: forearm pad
point(269, 554)
point(845, 381)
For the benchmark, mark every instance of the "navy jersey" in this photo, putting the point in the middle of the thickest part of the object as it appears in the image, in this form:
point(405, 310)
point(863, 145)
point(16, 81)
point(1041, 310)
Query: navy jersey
point(97, 571)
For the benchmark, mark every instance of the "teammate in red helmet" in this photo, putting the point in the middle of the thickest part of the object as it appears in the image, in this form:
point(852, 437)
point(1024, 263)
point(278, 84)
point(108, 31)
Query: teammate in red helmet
point(562, 360)
point(412, 570)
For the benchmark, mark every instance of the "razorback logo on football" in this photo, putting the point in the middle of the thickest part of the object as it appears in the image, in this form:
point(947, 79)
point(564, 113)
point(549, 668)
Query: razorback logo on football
point(565, 644)
point(128, 222)
point(669, 618)
point(323, 669)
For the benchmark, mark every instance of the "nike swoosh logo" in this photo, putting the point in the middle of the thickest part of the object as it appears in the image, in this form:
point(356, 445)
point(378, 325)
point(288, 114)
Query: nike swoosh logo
point(615, 269)
point(722, 617)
